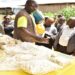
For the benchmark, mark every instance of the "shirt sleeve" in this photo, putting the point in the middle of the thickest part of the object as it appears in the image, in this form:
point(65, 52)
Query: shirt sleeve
point(22, 22)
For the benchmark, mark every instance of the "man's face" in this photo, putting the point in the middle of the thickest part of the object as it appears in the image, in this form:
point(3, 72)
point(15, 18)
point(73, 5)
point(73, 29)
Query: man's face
point(31, 7)
point(61, 21)
point(71, 23)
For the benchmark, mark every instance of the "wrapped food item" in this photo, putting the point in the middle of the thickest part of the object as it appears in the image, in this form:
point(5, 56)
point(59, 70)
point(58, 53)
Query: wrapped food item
point(38, 66)
point(29, 48)
point(7, 40)
point(9, 63)
point(4, 39)
point(61, 59)
point(28, 54)
point(2, 55)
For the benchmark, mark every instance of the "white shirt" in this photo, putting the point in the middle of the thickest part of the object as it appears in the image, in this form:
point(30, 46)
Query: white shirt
point(51, 30)
point(66, 34)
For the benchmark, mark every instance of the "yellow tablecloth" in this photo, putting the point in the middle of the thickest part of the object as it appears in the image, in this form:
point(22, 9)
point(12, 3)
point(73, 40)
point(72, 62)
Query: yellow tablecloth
point(20, 72)
point(67, 70)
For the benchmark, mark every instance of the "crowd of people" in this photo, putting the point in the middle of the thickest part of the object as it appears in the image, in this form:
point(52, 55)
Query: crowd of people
point(57, 33)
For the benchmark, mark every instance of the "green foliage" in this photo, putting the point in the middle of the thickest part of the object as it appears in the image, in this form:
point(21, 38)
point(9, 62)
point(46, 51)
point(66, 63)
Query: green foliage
point(68, 12)
point(49, 14)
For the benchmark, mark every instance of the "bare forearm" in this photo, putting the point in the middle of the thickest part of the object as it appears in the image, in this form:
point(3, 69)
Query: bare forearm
point(33, 37)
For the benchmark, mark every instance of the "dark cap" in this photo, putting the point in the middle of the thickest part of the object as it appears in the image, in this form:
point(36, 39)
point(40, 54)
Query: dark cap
point(30, 1)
